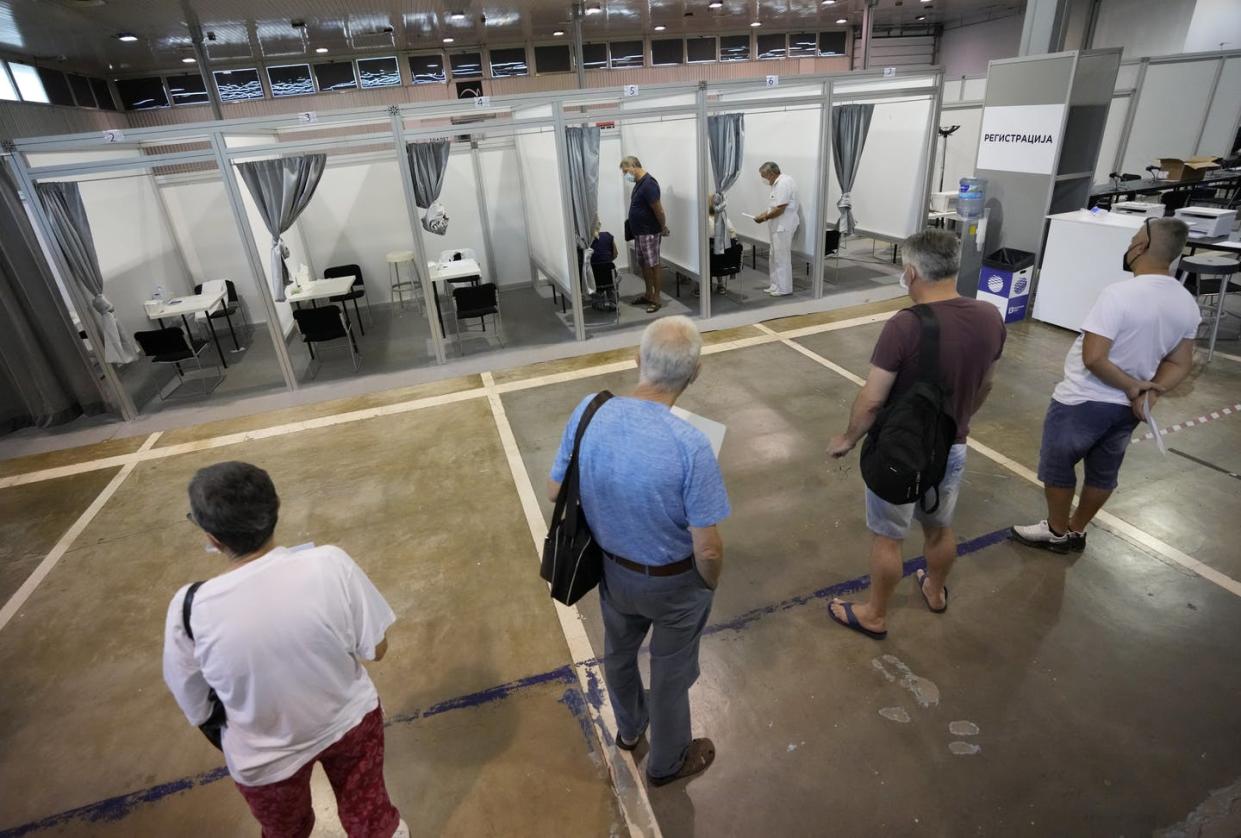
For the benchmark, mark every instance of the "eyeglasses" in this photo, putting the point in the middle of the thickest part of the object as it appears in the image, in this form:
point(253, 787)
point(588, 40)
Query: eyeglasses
point(189, 516)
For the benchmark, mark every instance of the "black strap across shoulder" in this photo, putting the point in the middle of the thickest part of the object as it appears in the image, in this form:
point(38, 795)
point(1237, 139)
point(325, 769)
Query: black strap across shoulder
point(186, 605)
point(213, 728)
point(569, 489)
point(928, 346)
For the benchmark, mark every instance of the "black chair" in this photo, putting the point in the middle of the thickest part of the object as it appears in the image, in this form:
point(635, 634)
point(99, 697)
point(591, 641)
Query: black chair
point(1173, 201)
point(356, 291)
point(458, 256)
point(232, 303)
point(319, 325)
point(478, 301)
point(171, 346)
point(607, 287)
point(726, 265)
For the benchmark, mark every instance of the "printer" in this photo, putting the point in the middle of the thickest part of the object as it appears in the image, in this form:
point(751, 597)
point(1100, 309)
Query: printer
point(1208, 221)
point(1141, 209)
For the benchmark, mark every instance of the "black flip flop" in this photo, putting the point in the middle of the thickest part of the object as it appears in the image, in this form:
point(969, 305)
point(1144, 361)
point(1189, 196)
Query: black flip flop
point(851, 622)
point(920, 577)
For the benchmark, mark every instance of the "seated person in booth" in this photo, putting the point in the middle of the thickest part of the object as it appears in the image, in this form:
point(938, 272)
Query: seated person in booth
point(266, 658)
point(782, 218)
point(647, 225)
point(1137, 343)
point(602, 252)
point(732, 237)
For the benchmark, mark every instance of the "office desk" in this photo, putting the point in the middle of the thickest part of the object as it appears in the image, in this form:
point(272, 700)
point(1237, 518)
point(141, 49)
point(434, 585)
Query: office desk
point(183, 307)
point(319, 289)
point(1149, 186)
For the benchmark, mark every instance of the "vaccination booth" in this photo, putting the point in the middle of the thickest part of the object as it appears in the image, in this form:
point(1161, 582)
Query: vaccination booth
point(214, 261)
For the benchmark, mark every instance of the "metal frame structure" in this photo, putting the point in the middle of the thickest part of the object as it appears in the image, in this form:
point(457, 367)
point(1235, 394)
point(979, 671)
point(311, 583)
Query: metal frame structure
point(390, 127)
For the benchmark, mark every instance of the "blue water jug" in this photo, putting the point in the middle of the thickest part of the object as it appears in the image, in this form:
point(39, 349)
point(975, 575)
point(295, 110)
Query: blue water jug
point(972, 196)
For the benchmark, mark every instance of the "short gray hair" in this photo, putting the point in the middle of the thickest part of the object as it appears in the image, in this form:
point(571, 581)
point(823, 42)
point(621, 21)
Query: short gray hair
point(631, 161)
point(1168, 238)
point(934, 254)
point(769, 168)
point(236, 503)
point(671, 347)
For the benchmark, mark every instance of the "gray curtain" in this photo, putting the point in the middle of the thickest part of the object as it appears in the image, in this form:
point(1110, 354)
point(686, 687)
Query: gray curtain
point(44, 376)
point(850, 125)
point(428, 161)
point(582, 145)
point(726, 133)
point(72, 237)
point(281, 189)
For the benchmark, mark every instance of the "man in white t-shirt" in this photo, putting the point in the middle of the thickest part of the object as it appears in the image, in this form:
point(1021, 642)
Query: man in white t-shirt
point(1137, 343)
point(273, 647)
point(782, 217)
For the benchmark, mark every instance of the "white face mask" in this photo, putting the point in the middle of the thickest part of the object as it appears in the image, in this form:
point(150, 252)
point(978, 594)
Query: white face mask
point(904, 282)
point(629, 177)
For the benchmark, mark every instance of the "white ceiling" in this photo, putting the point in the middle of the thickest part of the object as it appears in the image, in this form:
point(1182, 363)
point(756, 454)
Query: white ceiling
point(81, 33)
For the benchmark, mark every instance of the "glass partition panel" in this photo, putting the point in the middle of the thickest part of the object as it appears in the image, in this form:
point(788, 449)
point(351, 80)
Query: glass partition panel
point(190, 321)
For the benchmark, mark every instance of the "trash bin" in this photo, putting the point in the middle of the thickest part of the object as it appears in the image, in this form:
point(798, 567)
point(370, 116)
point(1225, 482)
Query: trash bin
point(1004, 281)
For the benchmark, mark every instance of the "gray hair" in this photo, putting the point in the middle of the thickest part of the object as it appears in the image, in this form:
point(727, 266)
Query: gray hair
point(631, 161)
point(769, 168)
point(669, 354)
point(934, 254)
point(236, 503)
point(1167, 238)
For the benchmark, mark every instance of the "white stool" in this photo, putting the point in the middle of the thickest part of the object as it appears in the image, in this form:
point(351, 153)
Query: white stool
point(1212, 276)
point(398, 287)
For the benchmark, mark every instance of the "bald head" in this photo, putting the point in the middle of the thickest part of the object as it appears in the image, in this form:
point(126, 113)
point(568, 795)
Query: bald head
point(669, 356)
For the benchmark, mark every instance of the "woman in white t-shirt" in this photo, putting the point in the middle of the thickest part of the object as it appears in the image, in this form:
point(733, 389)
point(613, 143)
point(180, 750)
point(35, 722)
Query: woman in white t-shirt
point(273, 648)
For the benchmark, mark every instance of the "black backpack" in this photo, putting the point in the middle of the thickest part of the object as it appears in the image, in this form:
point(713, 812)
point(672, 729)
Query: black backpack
point(905, 453)
point(572, 559)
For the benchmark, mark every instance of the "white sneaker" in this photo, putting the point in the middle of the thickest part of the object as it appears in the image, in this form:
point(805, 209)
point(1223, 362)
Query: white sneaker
point(1040, 535)
point(402, 830)
point(779, 293)
point(769, 289)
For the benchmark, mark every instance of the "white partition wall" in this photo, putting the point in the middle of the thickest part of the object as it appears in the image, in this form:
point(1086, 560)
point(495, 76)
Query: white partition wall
point(506, 215)
point(613, 196)
point(542, 202)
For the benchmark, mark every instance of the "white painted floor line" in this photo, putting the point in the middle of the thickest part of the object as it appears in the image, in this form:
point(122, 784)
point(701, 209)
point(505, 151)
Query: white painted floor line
point(816, 357)
point(1105, 519)
point(641, 822)
point(1236, 358)
point(19, 597)
point(768, 336)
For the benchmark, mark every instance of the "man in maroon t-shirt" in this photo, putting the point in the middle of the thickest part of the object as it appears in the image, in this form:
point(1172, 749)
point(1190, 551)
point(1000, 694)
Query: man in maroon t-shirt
point(971, 338)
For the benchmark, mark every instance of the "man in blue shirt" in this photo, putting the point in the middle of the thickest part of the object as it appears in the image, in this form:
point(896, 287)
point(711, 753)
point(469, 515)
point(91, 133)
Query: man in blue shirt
point(653, 494)
point(648, 226)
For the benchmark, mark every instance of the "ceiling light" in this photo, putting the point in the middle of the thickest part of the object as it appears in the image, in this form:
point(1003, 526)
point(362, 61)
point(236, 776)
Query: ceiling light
point(715, 4)
point(321, 50)
point(593, 9)
point(188, 60)
point(920, 17)
point(829, 2)
point(448, 40)
point(842, 20)
point(456, 15)
point(756, 23)
point(127, 37)
point(660, 28)
point(558, 33)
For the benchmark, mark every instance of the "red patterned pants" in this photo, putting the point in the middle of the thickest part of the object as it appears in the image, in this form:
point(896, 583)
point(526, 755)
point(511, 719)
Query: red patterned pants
point(355, 768)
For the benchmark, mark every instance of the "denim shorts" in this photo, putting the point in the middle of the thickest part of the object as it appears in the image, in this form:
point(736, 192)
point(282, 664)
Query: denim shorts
point(1097, 432)
point(892, 520)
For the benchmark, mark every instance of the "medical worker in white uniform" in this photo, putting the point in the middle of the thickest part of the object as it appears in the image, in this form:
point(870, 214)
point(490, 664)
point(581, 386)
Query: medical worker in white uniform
point(782, 219)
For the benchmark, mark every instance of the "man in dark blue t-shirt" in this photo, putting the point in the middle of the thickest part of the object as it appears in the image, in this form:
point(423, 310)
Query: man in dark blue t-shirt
point(647, 225)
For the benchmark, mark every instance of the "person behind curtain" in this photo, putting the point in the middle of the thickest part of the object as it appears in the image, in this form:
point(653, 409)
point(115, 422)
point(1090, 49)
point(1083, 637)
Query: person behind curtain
point(782, 217)
point(652, 491)
point(648, 226)
point(602, 252)
point(732, 239)
point(278, 639)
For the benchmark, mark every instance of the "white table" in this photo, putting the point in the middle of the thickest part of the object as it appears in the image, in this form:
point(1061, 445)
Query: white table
point(183, 307)
point(1082, 257)
point(445, 272)
point(319, 289)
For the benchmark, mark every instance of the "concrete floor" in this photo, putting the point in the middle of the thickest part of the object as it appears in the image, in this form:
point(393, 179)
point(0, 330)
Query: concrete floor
point(1103, 687)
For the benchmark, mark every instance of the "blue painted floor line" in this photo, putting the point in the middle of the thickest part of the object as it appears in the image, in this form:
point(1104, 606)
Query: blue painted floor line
point(119, 807)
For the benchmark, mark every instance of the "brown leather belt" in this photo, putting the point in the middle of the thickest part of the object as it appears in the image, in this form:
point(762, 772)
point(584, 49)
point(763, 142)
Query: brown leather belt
point(674, 569)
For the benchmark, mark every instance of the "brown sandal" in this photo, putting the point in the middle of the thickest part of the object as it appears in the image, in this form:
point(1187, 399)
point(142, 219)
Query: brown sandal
point(698, 758)
point(651, 308)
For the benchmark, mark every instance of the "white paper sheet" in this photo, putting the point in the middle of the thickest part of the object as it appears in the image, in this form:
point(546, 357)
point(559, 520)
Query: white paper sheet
point(713, 430)
point(748, 215)
point(1154, 426)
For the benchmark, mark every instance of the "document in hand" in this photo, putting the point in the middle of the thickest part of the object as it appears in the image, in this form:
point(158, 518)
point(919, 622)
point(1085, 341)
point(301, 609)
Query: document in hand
point(1154, 426)
point(713, 430)
point(748, 215)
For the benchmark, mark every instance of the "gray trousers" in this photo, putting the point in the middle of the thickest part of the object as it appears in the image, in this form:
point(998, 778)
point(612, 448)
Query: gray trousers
point(677, 607)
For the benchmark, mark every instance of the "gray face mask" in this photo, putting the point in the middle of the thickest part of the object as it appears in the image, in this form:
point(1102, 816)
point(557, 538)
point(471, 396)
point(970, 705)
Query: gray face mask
point(630, 177)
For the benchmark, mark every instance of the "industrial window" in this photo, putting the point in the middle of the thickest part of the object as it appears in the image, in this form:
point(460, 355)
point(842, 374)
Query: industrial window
point(734, 48)
point(803, 45)
point(667, 52)
point(700, 50)
point(188, 89)
point(291, 80)
point(56, 87)
point(832, 43)
point(509, 61)
point(379, 72)
point(103, 96)
point(141, 94)
point(29, 85)
point(238, 85)
point(772, 46)
point(594, 56)
point(427, 69)
point(466, 65)
point(627, 54)
point(554, 58)
point(8, 91)
point(82, 94)
point(336, 75)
